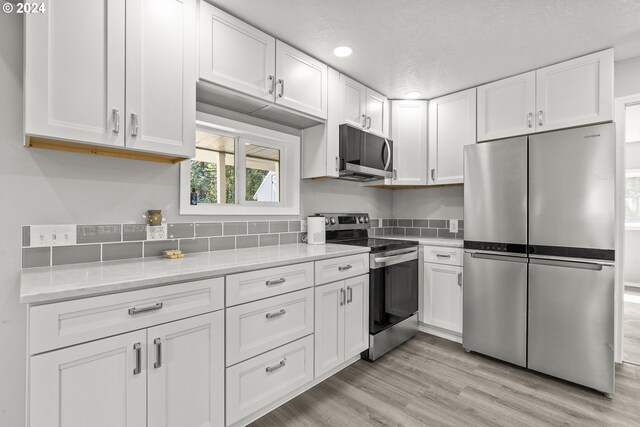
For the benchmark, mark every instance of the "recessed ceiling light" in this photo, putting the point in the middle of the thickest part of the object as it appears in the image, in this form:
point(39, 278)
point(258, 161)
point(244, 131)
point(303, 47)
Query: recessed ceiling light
point(342, 51)
point(412, 95)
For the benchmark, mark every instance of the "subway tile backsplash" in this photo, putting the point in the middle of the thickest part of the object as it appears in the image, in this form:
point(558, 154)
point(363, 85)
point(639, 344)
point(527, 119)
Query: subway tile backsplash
point(109, 242)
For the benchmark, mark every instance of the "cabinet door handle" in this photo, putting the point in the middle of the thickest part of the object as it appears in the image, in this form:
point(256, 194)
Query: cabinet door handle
point(158, 344)
point(341, 296)
point(276, 367)
point(134, 125)
point(369, 120)
point(364, 120)
point(136, 310)
point(337, 164)
point(276, 314)
point(281, 83)
point(272, 79)
point(540, 118)
point(530, 120)
point(276, 281)
point(395, 174)
point(349, 294)
point(433, 174)
point(138, 349)
point(344, 267)
point(459, 279)
point(115, 117)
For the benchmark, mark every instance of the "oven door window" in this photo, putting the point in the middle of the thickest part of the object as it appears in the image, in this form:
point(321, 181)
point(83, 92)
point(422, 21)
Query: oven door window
point(393, 295)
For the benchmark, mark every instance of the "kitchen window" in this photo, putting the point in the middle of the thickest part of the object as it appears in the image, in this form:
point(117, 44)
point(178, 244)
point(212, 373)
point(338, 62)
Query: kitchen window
point(632, 199)
point(240, 169)
point(632, 123)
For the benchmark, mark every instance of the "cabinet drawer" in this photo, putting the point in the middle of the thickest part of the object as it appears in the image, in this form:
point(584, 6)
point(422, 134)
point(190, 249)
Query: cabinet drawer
point(262, 325)
point(254, 285)
point(257, 382)
point(331, 270)
point(443, 255)
point(66, 323)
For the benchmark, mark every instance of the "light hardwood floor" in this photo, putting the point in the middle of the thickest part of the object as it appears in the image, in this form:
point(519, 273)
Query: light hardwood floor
point(429, 381)
point(632, 325)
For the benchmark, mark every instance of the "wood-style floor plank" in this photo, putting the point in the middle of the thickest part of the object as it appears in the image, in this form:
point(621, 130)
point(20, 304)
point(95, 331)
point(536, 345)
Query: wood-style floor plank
point(429, 381)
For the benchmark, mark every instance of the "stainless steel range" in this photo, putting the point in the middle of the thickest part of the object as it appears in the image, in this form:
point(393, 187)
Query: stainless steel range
point(393, 281)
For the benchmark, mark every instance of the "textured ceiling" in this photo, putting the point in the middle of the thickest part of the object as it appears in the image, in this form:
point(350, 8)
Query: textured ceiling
point(441, 46)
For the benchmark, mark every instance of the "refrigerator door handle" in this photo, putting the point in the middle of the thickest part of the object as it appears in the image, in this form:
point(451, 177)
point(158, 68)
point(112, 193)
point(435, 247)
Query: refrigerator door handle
point(584, 265)
point(496, 257)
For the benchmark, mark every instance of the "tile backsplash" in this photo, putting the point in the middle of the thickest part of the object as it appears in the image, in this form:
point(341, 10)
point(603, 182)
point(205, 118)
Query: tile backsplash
point(108, 242)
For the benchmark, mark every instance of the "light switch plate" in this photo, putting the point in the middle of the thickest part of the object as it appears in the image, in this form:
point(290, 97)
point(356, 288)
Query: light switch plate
point(453, 225)
point(157, 232)
point(52, 235)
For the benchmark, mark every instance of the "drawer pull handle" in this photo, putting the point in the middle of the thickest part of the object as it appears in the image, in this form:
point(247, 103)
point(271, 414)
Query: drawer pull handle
point(276, 314)
point(276, 367)
point(344, 267)
point(136, 310)
point(138, 349)
point(158, 344)
point(443, 256)
point(276, 282)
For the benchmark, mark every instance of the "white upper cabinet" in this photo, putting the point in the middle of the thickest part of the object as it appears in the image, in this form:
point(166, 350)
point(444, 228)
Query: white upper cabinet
point(409, 135)
point(507, 107)
point(575, 92)
point(301, 81)
point(452, 125)
point(377, 113)
point(160, 77)
point(352, 102)
point(363, 108)
point(75, 72)
point(236, 55)
point(572, 93)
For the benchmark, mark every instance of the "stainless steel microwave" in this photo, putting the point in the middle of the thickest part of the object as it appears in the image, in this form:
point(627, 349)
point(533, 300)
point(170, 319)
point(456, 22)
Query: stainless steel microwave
point(363, 156)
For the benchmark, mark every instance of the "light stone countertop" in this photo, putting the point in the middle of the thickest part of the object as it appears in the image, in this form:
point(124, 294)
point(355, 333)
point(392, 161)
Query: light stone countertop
point(431, 241)
point(49, 284)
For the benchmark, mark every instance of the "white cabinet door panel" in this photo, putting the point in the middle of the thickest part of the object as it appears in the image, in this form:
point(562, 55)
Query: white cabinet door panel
point(236, 55)
point(186, 372)
point(91, 384)
point(575, 92)
point(301, 81)
point(330, 270)
point(377, 110)
point(356, 316)
point(75, 71)
point(506, 107)
point(352, 102)
point(409, 135)
point(160, 78)
point(329, 329)
point(452, 125)
point(443, 296)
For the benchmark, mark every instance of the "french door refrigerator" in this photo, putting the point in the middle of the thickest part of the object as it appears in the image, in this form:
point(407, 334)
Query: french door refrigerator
point(539, 253)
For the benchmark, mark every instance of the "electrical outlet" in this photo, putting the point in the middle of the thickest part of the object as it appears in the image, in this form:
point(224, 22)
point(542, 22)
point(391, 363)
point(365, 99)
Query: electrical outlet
point(453, 225)
point(53, 235)
point(157, 232)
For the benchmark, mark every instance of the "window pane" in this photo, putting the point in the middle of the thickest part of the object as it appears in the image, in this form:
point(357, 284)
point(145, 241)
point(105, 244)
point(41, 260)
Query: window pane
point(632, 123)
point(262, 173)
point(632, 200)
point(214, 154)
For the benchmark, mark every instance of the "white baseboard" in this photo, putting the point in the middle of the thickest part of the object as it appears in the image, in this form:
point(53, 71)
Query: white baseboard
point(439, 332)
point(251, 418)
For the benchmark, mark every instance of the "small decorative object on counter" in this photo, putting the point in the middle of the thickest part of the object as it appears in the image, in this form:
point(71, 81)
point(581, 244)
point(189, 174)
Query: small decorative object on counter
point(154, 217)
point(173, 253)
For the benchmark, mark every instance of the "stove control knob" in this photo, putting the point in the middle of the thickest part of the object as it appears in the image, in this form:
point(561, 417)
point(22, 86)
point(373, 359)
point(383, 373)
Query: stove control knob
point(332, 220)
point(366, 220)
point(326, 221)
point(361, 219)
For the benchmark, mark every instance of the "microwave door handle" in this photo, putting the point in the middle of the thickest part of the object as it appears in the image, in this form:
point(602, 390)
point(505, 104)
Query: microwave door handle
point(386, 165)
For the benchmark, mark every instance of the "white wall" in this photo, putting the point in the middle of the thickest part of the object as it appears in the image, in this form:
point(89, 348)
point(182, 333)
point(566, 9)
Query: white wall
point(49, 187)
point(627, 82)
point(437, 202)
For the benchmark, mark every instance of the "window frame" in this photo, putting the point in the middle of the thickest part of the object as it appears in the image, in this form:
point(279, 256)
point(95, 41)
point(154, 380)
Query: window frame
point(289, 189)
point(631, 173)
point(632, 104)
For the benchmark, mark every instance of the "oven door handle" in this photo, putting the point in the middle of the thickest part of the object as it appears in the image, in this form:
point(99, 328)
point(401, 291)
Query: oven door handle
point(394, 259)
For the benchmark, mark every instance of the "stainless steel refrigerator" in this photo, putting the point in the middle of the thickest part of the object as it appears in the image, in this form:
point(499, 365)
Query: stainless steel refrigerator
point(539, 253)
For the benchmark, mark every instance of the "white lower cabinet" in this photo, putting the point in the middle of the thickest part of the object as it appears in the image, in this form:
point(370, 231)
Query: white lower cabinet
point(257, 382)
point(168, 375)
point(342, 322)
